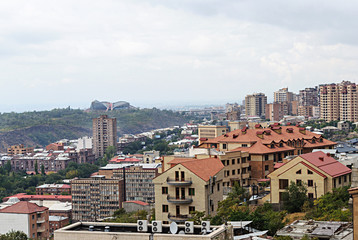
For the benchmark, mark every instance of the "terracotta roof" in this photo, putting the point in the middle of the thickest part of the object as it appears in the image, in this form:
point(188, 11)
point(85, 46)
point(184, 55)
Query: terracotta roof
point(180, 160)
point(259, 143)
point(326, 163)
point(138, 202)
point(23, 207)
point(204, 168)
point(25, 197)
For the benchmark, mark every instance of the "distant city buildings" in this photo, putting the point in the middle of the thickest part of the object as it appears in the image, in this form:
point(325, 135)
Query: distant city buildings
point(19, 149)
point(211, 131)
point(104, 134)
point(255, 105)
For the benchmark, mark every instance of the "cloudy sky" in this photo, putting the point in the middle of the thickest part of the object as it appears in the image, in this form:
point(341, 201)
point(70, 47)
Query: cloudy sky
point(163, 52)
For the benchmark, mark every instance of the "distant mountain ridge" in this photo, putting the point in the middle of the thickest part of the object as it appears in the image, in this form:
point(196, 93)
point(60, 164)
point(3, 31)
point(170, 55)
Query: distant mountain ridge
point(40, 128)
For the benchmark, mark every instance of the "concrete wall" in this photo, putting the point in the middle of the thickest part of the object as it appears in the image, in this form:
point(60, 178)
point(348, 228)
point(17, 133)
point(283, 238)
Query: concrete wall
point(15, 221)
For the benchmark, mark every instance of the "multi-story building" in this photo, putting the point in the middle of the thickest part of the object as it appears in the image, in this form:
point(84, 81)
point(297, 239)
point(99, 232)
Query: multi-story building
point(318, 171)
point(53, 189)
point(28, 217)
point(19, 149)
point(138, 179)
point(96, 198)
point(150, 156)
point(283, 95)
point(274, 111)
point(255, 105)
point(57, 222)
point(104, 134)
point(211, 131)
point(339, 102)
point(266, 146)
point(190, 185)
point(308, 97)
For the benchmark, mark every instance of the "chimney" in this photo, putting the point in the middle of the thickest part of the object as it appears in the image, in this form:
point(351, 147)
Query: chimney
point(321, 158)
point(302, 130)
point(260, 134)
point(244, 130)
point(328, 154)
point(258, 126)
point(276, 129)
point(41, 203)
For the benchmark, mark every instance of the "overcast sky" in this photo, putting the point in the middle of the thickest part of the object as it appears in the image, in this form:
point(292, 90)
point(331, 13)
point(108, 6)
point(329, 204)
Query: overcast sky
point(55, 54)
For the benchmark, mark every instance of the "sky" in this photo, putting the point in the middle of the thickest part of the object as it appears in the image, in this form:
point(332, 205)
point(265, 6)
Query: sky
point(159, 53)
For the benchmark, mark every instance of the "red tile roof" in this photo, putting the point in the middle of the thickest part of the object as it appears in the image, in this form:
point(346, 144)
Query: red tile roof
point(326, 163)
point(204, 168)
point(25, 197)
point(23, 207)
point(138, 202)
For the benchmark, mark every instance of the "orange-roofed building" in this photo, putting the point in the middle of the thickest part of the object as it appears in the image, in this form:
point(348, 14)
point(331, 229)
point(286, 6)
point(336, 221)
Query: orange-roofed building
point(28, 217)
point(187, 186)
point(318, 171)
point(267, 146)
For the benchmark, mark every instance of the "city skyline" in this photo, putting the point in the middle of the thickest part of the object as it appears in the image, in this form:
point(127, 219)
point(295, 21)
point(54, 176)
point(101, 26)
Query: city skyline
point(155, 53)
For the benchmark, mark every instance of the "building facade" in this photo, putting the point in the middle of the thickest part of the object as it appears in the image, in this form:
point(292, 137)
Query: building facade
point(308, 97)
point(255, 105)
point(104, 134)
point(53, 189)
point(28, 217)
point(283, 95)
point(318, 171)
point(96, 198)
point(211, 131)
point(188, 187)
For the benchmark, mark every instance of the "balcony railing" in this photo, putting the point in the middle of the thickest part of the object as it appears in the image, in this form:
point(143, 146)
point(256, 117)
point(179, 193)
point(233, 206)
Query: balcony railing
point(179, 218)
point(41, 229)
point(40, 220)
point(179, 200)
point(179, 182)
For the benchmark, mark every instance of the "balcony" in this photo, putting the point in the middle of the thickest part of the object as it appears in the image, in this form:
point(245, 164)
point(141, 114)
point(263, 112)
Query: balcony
point(41, 229)
point(179, 200)
point(178, 218)
point(245, 175)
point(179, 182)
point(40, 220)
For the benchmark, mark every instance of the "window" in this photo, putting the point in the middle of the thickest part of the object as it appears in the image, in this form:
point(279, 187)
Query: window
point(281, 145)
point(227, 162)
point(164, 190)
point(238, 171)
point(345, 178)
point(238, 161)
point(33, 216)
point(182, 176)
point(339, 180)
point(191, 192)
point(233, 172)
point(283, 183)
point(310, 183)
point(233, 161)
point(266, 167)
point(228, 173)
point(243, 145)
point(191, 209)
point(310, 195)
point(243, 160)
point(309, 172)
point(266, 157)
point(165, 208)
point(299, 172)
point(224, 146)
point(298, 182)
point(223, 161)
point(334, 183)
point(218, 187)
point(272, 145)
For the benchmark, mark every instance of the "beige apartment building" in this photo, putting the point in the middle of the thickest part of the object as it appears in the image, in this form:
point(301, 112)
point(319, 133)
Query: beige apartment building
point(190, 185)
point(339, 102)
point(255, 105)
point(19, 149)
point(104, 134)
point(283, 95)
point(211, 131)
point(318, 171)
point(96, 198)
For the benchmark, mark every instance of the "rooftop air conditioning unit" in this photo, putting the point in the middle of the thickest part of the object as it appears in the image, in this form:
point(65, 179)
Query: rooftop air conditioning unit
point(205, 226)
point(157, 226)
point(189, 227)
point(142, 225)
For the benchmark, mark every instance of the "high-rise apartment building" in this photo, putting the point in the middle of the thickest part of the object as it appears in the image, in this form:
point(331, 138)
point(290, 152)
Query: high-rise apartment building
point(96, 198)
point(339, 101)
point(283, 95)
point(104, 134)
point(255, 104)
point(308, 97)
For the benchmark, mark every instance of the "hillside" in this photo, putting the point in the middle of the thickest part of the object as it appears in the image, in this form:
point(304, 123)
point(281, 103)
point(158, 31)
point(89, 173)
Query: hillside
point(40, 128)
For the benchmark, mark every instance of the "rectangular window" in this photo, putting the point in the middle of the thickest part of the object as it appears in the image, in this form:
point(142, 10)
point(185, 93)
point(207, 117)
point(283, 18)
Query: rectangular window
point(339, 180)
point(238, 171)
point(228, 173)
point(191, 191)
point(244, 145)
point(334, 183)
point(182, 176)
point(233, 172)
point(191, 209)
point(298, 182)
point(310, 195)
point(218, 187)
point(165, 208)
point(164, 190)
point(283, 183)
point(266, 167)
point(223, 161)
point(243, 160)
point(266, 157)
point(238, 161)
point(227, 162)
point(310, 183)
point(176, 175)
point(233, 161)
point(224, 146)
point(345, 178)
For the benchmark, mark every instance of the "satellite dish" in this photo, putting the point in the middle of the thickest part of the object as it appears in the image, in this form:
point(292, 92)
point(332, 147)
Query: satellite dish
point(173, 228)
point(181, 232)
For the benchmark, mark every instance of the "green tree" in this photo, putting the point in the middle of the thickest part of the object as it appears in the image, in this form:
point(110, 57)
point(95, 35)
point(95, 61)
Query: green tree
point(36, 168)
point(14, 235)
point(294, 197)
point(43, 169)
